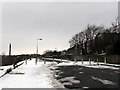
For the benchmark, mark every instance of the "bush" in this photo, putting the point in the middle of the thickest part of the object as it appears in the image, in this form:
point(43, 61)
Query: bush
point(109, 50)
point(117, 47)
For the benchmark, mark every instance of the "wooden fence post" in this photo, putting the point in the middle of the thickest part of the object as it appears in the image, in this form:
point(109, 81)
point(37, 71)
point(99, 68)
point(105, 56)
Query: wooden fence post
point(97, 61)
point(26, 61)
point(89, 61)
point(75, 59)
point(61, 60)
point(53, 59)
point(39, 59)
point(82, 61)
point(105, 59)
point(44, 61)
point(36, 60)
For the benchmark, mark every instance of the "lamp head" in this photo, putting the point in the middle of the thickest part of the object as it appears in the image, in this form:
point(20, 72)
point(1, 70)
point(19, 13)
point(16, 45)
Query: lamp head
point(39, 39)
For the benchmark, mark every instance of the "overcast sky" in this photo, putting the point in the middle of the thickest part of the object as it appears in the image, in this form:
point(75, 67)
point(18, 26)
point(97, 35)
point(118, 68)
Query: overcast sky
point(54, 22)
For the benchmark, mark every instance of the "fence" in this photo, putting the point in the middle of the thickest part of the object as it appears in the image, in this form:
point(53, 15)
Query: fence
point(106, 59)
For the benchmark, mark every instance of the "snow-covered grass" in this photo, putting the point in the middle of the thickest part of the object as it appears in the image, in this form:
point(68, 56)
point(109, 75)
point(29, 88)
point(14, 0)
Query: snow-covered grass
point(4, 68)
point(33, 76)
point(91, 64)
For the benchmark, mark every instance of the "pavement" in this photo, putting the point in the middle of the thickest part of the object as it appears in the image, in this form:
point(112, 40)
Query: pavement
point(87, 77)
point(30, 75)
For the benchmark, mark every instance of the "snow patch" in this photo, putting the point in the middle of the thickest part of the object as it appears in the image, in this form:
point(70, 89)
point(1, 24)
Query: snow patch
point(80, 72)
point(102, 67)
point(70, 79)
point(67, 83)
point(87, 64)
point(85, 87)
point(53, 67)
point(103, 81)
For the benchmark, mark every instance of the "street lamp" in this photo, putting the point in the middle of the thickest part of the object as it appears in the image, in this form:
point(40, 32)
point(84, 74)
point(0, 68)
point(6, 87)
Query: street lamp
point(37, 50)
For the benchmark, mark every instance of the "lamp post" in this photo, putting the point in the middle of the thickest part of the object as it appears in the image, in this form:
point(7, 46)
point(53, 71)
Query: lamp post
point(37, 50)
point(37, 45)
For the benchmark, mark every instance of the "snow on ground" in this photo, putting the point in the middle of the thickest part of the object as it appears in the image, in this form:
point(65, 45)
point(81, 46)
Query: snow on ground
point(102, 67)
point(91, 64)
point(70, 79)
point(63, 60)
point(88, 64)
point(40, 75)
point(29, 76)
point(4, 68)
point(103, 81)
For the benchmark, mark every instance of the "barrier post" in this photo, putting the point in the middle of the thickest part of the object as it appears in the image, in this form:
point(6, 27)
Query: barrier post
point(61, 60)
point(26, 61)
point(44, 61)
point(82, 61)
point(89, 61)
point(75, 59)
point(53, 59)
point(105, 59)
point(36, 60)
point(97, 61)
